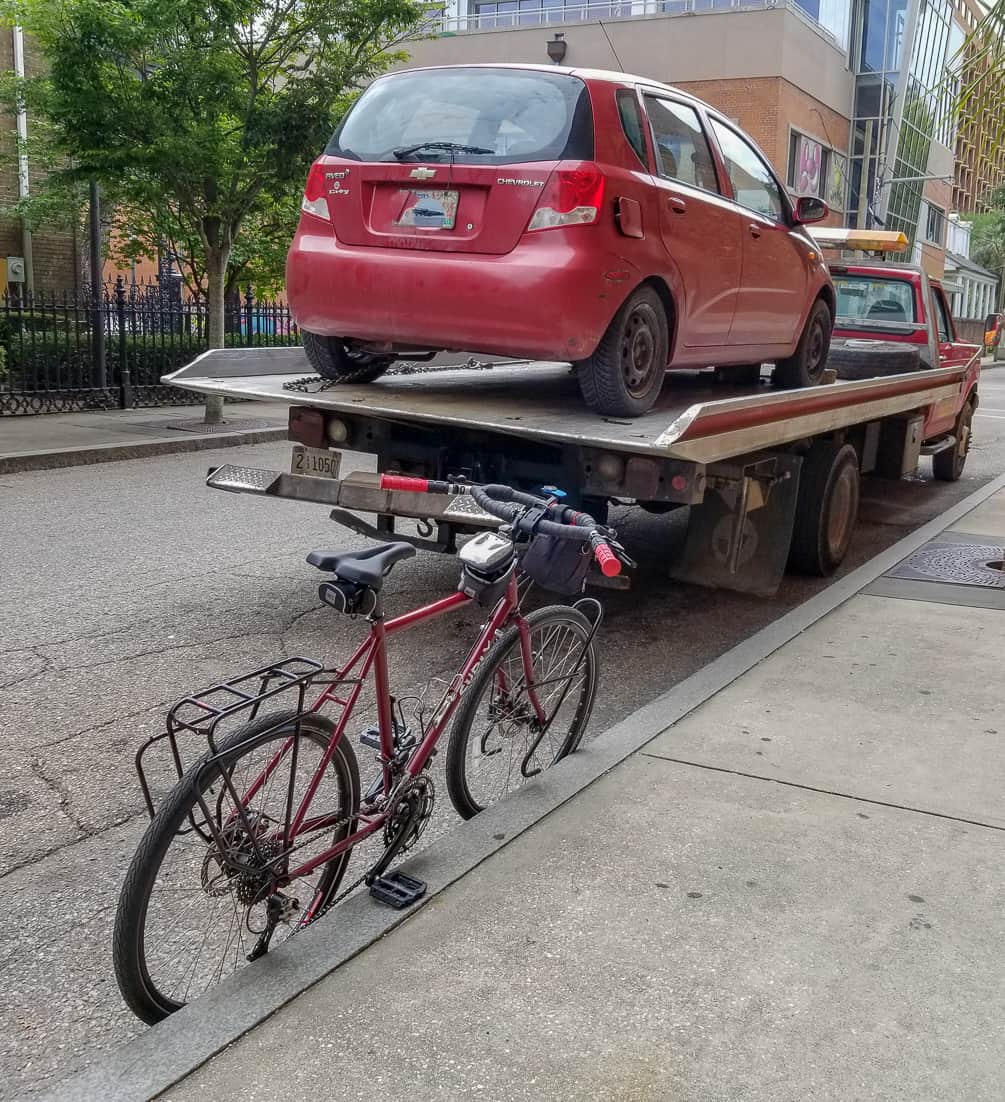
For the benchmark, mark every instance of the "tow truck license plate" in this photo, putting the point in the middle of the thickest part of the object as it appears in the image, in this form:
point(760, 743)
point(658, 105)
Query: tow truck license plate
point(315, 462)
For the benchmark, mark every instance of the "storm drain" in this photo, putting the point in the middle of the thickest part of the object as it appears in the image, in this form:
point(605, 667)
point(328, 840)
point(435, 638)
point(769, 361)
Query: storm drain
point(956, 564)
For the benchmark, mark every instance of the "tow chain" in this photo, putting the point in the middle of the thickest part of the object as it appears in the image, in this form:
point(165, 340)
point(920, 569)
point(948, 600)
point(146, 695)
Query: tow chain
point(314, 384)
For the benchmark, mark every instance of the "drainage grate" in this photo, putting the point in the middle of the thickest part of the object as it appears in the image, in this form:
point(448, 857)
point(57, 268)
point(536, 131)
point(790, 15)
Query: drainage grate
point(956, 563)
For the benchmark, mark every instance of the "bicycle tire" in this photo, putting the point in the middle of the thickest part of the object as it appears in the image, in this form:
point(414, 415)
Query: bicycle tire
point(576, 707)
point(129, 944)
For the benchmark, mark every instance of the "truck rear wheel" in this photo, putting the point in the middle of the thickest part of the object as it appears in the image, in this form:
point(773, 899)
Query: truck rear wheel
point(805, 367)
point(335, 362)
point(624, 376)
point(826, 508)
point(947, 466)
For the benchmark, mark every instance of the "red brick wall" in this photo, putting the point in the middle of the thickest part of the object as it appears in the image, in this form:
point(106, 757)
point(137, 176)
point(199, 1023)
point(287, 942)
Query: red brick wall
point(56, 254)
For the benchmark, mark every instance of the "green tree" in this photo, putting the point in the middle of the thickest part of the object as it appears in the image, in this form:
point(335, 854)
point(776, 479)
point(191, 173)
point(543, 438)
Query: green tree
point(207, 112)
point(987, 241)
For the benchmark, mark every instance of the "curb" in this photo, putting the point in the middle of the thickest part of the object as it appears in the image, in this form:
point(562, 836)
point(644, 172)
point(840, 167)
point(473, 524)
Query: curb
point(156, 1060)
point(111, 453)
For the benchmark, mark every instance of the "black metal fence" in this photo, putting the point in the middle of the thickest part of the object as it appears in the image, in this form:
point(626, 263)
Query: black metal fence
point(74, 351)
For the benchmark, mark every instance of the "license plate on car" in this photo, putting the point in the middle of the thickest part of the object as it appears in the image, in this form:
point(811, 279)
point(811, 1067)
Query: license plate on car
point(316, 462)
point(429, 210)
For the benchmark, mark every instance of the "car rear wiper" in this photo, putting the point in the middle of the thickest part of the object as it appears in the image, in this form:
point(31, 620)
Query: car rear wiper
point(445, 147)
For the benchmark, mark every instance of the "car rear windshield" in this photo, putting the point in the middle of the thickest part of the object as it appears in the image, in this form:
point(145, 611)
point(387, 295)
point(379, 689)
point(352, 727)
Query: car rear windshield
point(509, 115)
point(874, 300)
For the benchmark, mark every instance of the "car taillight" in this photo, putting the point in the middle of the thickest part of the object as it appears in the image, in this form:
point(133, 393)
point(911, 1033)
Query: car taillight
point(572, 197)
point(313, 201)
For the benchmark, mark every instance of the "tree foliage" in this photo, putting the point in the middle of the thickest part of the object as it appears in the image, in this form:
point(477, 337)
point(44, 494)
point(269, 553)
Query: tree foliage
point(201, 117)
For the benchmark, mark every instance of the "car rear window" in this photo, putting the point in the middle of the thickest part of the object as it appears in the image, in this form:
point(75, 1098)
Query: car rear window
point(518, 115)
point(874, 299)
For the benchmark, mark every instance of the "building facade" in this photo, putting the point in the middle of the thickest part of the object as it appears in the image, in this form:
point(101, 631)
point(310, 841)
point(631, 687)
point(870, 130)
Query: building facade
point(852, 100)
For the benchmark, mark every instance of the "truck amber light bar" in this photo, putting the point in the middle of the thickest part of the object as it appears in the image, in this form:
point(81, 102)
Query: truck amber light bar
point(866, 241)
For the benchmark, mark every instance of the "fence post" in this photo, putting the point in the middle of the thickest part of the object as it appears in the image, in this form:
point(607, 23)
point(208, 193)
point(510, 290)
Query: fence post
point(125, 381)
point(249, 306)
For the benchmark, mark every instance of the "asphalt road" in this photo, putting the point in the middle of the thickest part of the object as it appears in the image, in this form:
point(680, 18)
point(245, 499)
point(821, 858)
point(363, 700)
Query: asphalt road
point(126, 585)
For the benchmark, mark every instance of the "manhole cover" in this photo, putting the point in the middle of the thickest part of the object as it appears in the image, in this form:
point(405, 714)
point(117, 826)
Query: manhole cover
point(957, 564)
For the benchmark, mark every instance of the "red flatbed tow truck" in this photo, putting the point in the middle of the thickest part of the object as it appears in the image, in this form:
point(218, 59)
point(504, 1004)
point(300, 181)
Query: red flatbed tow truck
point(771, 477)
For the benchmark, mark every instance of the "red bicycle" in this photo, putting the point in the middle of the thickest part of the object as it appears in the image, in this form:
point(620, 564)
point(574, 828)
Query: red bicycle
point(256, 836)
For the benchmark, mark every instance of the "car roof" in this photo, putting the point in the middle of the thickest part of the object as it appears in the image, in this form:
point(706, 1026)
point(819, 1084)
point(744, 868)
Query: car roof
point(600, 76)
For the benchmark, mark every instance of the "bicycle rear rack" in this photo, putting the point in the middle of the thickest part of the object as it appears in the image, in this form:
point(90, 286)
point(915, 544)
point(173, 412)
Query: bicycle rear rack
point(203, 713)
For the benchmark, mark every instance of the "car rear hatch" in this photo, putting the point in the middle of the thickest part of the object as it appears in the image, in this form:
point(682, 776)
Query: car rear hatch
point(452, 159)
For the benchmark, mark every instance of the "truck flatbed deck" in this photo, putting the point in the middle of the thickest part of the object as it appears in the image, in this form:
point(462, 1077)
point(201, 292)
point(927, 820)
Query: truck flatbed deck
point(694, 419)
point(771, 477)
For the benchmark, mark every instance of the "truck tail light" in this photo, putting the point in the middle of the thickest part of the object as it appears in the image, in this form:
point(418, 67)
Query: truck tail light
point(571, 197)
point(313, 201)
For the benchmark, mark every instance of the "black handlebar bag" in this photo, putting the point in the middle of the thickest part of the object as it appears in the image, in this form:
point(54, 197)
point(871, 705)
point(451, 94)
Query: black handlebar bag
point(560, 565)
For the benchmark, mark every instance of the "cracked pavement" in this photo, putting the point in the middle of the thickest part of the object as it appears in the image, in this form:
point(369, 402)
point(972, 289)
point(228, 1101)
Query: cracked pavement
point(125, 586)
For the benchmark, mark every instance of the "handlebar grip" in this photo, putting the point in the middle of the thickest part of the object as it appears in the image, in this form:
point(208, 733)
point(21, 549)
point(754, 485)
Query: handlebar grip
point(610, 564)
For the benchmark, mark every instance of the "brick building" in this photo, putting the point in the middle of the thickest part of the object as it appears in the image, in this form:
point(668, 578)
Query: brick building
point(55, 259)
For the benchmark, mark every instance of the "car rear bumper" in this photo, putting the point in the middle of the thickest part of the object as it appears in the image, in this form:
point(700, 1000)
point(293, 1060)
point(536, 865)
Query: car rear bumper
point(544, 300)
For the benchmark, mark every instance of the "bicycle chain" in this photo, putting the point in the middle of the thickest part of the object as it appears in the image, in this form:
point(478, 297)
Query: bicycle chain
point(315, 384)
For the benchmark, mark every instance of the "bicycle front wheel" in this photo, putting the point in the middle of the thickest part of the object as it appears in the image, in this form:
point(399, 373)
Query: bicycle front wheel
point(498, 740)
point(193, 902)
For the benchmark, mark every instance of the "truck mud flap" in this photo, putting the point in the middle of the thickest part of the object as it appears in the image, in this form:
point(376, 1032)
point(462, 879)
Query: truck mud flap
point(739, 537)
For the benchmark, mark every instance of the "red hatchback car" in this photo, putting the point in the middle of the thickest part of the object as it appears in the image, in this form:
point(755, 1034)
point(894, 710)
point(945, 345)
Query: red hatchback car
point(555, 214)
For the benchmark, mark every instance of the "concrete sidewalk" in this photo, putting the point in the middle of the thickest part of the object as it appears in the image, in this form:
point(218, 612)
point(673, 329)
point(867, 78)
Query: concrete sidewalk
point(45, 441)
point(793, 891)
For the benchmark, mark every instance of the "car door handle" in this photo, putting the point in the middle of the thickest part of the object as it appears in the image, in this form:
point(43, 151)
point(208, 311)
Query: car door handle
point(678, 206)
point(755, 229)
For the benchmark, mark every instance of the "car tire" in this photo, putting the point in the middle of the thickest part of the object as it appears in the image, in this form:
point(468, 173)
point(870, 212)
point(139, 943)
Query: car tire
point(805, 367)
point(948, 466)
point(337, 364)
point(826, 508)
point(624, 376)
point(882, 358)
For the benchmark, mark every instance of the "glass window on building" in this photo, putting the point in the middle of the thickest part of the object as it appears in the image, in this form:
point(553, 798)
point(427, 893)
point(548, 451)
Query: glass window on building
point(935, 225)
point(881, 38)
point(809, 164)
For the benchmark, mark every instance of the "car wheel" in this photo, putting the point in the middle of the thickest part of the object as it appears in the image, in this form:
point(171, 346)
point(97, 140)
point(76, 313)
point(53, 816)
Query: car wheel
point(623, 378)
point(805, 367)
point(333, 361)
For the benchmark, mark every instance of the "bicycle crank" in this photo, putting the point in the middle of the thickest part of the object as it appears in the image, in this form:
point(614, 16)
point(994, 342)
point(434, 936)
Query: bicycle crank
point(406, 820)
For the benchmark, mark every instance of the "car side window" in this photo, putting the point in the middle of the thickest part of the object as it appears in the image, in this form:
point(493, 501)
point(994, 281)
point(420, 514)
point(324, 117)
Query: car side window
point(631, 123)
point(941, 317)
point(682, 149)
point(754, 186)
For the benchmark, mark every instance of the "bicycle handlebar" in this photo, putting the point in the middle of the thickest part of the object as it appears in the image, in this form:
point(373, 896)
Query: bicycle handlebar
point(528, 514)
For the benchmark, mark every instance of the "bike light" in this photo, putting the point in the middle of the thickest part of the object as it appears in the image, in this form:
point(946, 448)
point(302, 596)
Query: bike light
point(337, 431)
point(313, 201)
point(572, 197)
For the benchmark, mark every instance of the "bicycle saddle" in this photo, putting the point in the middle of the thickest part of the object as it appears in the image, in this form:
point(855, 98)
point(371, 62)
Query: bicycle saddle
point(368, 567)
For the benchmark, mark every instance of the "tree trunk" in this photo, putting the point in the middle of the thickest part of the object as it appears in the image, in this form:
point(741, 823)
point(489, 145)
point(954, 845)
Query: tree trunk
point(216, 276)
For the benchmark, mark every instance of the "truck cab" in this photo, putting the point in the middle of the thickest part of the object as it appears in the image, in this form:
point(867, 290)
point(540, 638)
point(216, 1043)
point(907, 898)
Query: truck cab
point(892, 318)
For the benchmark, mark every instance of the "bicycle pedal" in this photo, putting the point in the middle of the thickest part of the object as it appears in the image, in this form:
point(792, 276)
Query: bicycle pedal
point(371, 738)
point(397, 890)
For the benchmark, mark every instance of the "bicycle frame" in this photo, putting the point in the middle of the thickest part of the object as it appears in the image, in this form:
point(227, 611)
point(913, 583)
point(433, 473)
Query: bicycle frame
point(371, 655)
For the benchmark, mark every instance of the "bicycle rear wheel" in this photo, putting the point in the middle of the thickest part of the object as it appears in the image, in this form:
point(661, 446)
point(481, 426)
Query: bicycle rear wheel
point(491, 748)
point(186, 919)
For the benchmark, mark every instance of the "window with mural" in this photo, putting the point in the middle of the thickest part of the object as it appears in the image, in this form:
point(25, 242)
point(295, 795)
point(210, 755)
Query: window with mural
point(816, 169)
